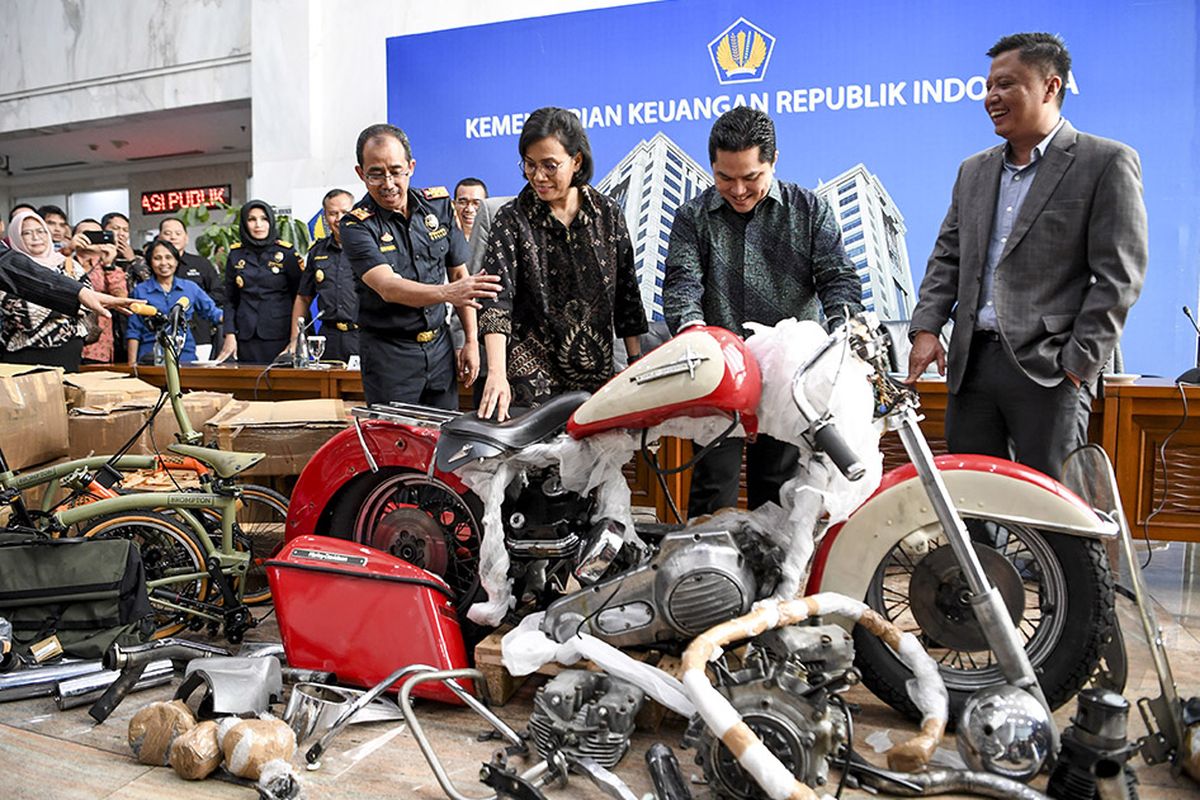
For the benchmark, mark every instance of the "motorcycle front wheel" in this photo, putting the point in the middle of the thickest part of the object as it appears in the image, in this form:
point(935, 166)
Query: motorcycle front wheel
point(1058, 590)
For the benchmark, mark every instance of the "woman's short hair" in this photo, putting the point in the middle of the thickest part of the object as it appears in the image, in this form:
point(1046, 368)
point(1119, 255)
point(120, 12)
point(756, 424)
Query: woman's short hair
point(564, 126)
point(149, 253)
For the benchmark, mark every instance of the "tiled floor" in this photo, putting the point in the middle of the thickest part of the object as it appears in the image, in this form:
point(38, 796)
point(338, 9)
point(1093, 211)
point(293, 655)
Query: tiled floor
point(49, 754)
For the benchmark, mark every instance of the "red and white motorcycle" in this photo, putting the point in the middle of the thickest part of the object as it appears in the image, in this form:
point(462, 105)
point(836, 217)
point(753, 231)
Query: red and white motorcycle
point(425, 485)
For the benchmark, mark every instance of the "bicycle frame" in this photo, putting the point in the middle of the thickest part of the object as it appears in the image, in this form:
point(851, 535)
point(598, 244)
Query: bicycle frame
point(233, 563)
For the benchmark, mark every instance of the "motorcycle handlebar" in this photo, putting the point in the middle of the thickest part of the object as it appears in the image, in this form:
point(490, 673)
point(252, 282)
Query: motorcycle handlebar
point(827, 439)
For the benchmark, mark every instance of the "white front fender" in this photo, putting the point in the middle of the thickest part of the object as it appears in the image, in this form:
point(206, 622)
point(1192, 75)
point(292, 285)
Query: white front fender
point(979, 486)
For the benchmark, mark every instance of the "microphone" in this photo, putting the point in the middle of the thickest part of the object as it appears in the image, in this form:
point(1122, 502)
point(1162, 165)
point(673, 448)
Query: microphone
point(1192, 375)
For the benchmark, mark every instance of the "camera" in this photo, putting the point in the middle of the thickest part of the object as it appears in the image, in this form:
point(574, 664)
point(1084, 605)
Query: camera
point(100, 237)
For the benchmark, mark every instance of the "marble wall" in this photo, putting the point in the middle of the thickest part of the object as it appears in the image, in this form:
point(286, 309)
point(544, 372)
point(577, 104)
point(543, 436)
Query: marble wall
point(67, 61)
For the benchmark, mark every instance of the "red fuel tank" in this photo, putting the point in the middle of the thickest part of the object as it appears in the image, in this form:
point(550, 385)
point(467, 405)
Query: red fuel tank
point(362, 614)
point(702, 372)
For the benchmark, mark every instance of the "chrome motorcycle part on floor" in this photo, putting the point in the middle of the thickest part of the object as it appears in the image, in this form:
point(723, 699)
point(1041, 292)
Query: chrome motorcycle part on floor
point(39, 681)
point(940, 781)
point(1095, 740)
point(87, 689)
point(585, 714)
point(314, 708)
point(1005, 731)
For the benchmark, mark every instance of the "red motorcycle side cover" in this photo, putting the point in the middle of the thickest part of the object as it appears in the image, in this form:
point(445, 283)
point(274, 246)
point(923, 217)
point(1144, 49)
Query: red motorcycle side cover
point(362, 614)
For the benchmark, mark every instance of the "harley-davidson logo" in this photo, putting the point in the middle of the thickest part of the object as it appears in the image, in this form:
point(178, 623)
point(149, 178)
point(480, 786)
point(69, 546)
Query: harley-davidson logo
point(685, 363)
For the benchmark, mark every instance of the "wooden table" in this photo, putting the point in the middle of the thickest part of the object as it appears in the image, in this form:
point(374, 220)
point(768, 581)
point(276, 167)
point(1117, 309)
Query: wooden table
point(256, 382)
point(1130, 422)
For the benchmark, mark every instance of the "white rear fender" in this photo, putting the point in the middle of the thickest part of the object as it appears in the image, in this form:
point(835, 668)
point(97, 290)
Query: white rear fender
point(981, 487)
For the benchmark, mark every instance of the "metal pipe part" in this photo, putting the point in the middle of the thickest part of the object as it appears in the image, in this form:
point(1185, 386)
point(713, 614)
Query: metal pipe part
point(40, 681)
point(88, 688)
point(987, 603)
point(666, 774)
point(944, 781)
point(537, 773)
point(117, 657)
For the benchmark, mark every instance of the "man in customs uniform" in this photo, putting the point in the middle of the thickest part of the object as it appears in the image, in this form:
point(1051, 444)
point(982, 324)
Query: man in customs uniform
point(403, 245)
point(330, 279)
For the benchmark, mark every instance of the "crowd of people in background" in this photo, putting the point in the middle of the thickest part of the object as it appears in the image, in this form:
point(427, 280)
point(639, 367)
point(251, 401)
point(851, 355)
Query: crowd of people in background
point(248, 314)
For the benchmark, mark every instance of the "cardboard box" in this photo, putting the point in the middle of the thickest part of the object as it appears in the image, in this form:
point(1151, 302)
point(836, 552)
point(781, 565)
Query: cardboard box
point(288, 431)
point(33, 415)
point(97, 431)
point(200, 407)
point(108, 390)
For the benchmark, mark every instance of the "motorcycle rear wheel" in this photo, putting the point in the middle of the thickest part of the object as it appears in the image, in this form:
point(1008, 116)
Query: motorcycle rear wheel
point(1058, 589)
point(423, 521)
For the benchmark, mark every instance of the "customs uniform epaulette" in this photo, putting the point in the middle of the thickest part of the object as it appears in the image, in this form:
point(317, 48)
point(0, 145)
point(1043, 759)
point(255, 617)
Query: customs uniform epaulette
point(283, 243)
point(435, 193)
point(235, 245)
point(360, 213)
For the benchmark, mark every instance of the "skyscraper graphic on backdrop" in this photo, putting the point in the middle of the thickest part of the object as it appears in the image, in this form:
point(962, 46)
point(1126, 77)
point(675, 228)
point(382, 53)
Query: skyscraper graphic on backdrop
point(873, 233)
point(650, 183)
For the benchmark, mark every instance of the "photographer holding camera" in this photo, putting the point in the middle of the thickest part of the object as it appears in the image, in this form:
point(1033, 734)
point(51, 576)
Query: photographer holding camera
point(95, 250)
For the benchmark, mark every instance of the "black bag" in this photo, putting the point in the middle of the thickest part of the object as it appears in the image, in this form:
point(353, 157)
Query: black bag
point(87, 592)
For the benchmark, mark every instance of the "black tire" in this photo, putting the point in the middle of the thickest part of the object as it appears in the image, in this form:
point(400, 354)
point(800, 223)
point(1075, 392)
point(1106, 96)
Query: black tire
point(167, 547)
point(1050, 571)
point(261, 524)
point(439, 529)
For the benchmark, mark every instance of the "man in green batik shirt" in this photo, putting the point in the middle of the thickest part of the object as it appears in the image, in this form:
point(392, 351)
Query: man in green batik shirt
point(752, 249)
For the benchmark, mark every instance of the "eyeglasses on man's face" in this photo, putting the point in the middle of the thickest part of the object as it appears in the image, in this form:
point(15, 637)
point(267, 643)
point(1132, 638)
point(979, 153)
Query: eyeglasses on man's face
point(468, 202)
point(379, 177)
point(547, 168)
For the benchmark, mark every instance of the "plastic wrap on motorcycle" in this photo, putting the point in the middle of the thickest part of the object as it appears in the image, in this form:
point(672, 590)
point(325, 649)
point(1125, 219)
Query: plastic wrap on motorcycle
point(695, 581)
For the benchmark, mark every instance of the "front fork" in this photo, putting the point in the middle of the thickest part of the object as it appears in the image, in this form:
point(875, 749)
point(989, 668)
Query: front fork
point(986, 601)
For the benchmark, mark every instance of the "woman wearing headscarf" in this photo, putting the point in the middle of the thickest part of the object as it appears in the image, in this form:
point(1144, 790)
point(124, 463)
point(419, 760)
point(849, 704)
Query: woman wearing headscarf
point(563, 254)
point(162, 291)
point(33, 334)
point(262, 274)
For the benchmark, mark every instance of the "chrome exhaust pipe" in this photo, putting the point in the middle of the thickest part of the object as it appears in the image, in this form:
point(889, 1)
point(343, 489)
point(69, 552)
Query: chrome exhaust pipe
point(88, 688)
point(40, 681)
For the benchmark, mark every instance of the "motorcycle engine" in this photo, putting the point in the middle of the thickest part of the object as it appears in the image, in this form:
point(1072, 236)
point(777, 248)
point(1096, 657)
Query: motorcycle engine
point(781, 686)
point(586, 714)
point(694, 581)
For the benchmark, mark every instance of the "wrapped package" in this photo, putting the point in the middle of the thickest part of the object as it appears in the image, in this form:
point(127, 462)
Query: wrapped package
point(195, 753)
point(154, 728)
point(251, 743)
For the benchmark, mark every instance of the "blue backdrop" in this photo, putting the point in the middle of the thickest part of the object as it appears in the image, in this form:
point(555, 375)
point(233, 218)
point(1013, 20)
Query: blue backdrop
point(461, 94)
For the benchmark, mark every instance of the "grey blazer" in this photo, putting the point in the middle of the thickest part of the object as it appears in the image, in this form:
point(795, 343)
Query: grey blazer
point(479, 237)
point(1070, 271)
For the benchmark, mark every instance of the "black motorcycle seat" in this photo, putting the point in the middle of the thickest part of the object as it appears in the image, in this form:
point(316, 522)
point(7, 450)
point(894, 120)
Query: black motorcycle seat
point(518, 431)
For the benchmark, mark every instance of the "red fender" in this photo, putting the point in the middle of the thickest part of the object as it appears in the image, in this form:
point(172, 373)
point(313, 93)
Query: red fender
point(899, 506)
point(341, 459)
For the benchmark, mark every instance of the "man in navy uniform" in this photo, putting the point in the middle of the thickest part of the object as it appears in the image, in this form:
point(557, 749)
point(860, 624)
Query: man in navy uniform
point(330, 279)
point(403, 245)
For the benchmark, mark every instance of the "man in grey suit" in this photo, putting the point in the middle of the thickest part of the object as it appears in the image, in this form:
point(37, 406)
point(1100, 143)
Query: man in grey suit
point(1040, 257)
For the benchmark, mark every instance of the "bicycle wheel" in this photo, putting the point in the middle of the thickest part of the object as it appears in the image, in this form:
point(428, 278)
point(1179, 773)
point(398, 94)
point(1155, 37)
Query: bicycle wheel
point(167, 549)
